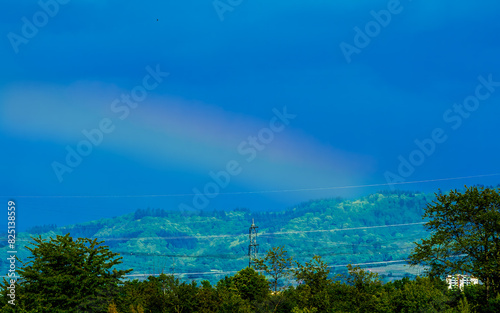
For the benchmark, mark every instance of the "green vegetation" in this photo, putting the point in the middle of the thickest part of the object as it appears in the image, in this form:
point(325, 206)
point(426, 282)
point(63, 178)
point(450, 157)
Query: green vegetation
point(276, 264)
point(357, 290)
point(64, 275)
point(465, 236)
point(68, 275)
point(154, 241)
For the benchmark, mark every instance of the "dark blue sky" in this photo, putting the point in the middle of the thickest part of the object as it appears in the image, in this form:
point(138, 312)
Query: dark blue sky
point(375, 92)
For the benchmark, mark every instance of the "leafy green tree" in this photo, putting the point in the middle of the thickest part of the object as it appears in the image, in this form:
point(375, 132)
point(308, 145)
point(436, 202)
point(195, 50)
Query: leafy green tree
point(66, 275)
point(363, 280)
point(423, 294)
point(300, 299)
point(230, 298)
point(251, 285)
point(155, 294)
point(131, 295)
point(166, 293)
point(465, 236)
point(476, 299)
point(155, 291)
point(188, 297)
point(361, 291)
point(314, 273)
point(314, 289)
point(207, 295)
point(276, 264)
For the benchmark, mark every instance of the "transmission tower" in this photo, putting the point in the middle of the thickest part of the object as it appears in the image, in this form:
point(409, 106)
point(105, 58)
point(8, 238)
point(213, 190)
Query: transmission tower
point(253, 246)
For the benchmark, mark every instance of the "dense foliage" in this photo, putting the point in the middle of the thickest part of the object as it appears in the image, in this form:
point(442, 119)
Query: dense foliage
point(153, 241)
point(62, 274)
point(465, 230)
point(310, 288)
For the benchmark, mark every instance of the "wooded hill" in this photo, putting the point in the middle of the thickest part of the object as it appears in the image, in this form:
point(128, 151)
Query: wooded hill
point(207, 245)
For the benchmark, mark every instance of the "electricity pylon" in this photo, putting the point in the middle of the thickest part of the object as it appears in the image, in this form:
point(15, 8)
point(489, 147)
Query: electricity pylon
point(253, 246)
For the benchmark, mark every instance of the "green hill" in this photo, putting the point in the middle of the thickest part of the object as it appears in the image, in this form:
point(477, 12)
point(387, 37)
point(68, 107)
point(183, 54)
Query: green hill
point(380, 227)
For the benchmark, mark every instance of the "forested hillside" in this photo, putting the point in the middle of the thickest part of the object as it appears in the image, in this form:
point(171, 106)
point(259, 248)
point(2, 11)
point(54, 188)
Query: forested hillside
point(380, 227)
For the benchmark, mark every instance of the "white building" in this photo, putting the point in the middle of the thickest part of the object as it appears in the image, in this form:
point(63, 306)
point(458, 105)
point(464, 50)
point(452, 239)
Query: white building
point(459, 280)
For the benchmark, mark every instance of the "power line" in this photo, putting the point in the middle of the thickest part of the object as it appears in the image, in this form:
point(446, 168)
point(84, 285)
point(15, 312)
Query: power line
point(187, 273)
point(338, 229)
point(241, 235)
point(184, 256)
point(304, 252)
point(371, 263)
point(349, 244)
point(263, 191)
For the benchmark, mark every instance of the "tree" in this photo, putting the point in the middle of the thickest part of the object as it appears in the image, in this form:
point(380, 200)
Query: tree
point(361, 290)
point(132, 295)
point(363, 280)
point(314, 276)
point(423, 294)
point(154, 294)
point(314, 273)
point(251, 285)
point(230, 298)
point(66, 275)
point(276, 264)
point(207, 295)
point(465, 236)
